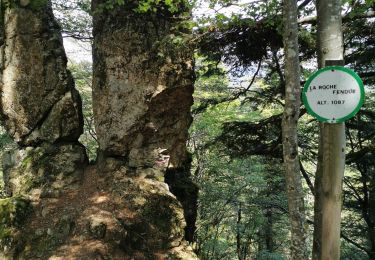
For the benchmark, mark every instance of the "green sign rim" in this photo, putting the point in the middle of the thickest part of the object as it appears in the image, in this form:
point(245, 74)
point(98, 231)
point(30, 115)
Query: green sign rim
point(342, 119)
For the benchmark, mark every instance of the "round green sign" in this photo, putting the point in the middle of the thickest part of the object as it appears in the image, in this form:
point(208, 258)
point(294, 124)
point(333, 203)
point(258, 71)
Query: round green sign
point(333, 94)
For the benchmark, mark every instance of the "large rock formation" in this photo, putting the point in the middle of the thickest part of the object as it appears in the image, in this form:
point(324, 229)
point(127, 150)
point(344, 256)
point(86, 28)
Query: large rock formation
point(38, 102)
point(142, 94)
point(143, 85)
point(122, 209)
point(113, 215)
point(40, 108)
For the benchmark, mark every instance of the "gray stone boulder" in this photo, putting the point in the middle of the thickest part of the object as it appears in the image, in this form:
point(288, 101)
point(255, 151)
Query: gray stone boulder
point(142, 88)
point(38, 102)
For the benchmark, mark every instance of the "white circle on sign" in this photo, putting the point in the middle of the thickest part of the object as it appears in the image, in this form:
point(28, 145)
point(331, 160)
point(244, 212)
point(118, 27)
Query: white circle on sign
point(333, 94)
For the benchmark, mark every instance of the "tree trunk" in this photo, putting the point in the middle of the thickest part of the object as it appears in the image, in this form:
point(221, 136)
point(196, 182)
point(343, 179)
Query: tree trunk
point(371, 211)
point(239, 233)
point(268, 231)
point(331, 155)
point(289, 129)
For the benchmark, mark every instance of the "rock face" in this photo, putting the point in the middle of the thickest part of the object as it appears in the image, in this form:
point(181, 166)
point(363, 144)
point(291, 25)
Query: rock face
point(40, 108)
point(122, 209)
point(38, 102)
point(43, 171)
point(142, 94)
point(142, 89)
point(111, 216)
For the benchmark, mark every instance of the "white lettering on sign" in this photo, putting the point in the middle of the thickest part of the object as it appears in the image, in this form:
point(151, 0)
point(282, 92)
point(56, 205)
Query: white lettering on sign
point(332, 95)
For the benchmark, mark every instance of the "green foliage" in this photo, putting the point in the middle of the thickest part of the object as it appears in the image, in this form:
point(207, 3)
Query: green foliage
point(265, 255)
point(5, 139)
point(31, 4)
point(14, 210)
point(82, 73)
point(232, 186)
point(6, 142)
point(215, 161)
point(153, 5)
point(75, 19)
point(36, 4)
point(147, 6)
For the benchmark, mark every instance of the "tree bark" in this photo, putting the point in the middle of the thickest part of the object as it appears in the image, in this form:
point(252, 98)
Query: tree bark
point(238, 234)
point(289, 130)
point(371, 211)
point(331, 154)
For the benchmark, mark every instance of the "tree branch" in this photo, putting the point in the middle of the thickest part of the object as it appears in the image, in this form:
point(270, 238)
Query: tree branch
point(307, 178)
point(356, 194)
point(345, 18)
point(345, 238)
point(204, 104)
point(354, 243)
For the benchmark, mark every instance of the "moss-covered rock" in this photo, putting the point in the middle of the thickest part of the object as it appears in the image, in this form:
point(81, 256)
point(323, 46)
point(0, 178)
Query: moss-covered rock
point(39, 101)
point(158, 221)
point(47, 169)
point(13, 212)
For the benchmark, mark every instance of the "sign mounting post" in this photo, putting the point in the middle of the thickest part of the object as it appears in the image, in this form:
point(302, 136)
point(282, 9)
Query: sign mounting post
point(333, 95)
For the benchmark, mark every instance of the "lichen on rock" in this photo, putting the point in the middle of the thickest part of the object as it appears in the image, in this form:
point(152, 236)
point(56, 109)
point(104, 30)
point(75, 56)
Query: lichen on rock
point(44, 170)
point(142, 90)
point(122, 209)
point(39, 102)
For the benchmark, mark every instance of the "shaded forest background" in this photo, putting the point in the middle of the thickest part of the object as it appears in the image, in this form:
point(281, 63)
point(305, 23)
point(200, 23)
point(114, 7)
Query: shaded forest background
point(235, 138)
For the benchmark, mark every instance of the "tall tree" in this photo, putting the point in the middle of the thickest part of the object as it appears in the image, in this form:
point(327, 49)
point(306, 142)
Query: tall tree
point(331, 157)
point(289, 129)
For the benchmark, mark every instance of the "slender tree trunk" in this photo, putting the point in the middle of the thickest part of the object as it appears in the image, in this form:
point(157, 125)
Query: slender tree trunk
point(289, 128)
point(331, 157)
point(266, 234)
point(371, 211)
point(239, 235)
point(269, 234)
